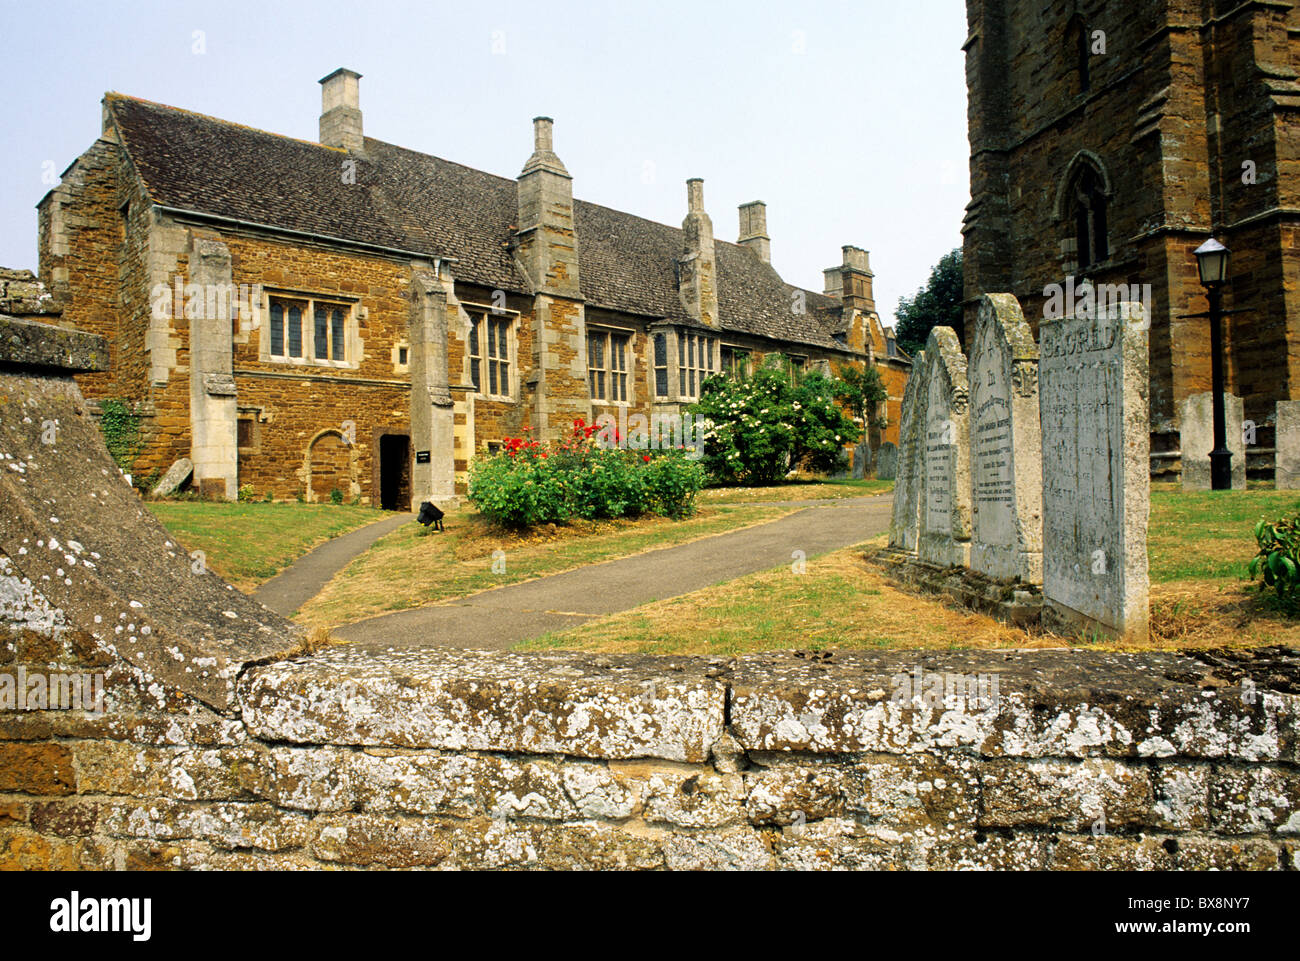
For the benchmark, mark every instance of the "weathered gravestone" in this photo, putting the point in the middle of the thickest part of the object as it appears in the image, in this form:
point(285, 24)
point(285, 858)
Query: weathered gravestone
point(1287, 459)
point(1006, 456)
point(1197, 440)
point(1093, 383)
point(945, 462)
point(904, 528)
point(861, 460)
point(887, 462)
point(176, 475)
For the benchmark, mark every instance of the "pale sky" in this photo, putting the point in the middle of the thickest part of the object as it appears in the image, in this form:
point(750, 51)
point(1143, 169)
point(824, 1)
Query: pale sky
point(847, 118)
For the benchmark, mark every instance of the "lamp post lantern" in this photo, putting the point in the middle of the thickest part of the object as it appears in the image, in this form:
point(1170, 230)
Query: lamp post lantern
point(1212, 261)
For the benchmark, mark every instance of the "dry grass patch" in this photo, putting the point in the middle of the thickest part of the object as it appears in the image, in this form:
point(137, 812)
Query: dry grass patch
point(1192, 614)
point(314, 641)
point(841, 602)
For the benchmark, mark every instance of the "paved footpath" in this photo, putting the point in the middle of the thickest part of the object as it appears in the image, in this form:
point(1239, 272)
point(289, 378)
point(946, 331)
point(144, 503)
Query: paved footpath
point(500, 618)
point(306, 577)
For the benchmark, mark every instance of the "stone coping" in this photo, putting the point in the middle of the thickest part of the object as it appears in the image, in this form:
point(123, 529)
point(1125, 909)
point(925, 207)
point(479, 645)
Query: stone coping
point(31, 344)
point(1044, 703)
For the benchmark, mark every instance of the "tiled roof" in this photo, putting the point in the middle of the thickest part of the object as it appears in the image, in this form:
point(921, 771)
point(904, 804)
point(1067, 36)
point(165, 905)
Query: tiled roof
point(410, 201)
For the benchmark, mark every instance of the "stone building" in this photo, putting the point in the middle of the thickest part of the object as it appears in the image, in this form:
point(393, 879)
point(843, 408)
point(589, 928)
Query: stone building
point(1109, 139)
point(350, 315)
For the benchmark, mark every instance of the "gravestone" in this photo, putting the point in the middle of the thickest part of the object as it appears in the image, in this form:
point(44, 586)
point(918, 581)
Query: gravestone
point(1006, 455)
point(887, 462)
point(945, 529)
point(1197, 440)
point(1287, 459)
point(904, 528)
point(1093, 383)
point(861, 459)
point(176, 475)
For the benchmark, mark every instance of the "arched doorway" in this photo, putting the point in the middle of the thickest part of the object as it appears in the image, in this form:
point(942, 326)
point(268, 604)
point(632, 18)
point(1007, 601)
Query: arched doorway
point(330, 464)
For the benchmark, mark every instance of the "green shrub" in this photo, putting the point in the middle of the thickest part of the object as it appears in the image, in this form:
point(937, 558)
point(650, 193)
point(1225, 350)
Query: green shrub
point(761, 427)
point(862, 389)
point(1278, 560)
point(822, 429)
point(609, 484)
point(246, 494)
point(519, 487)
point(672, 480)
point(336, 497)
point(527, 484)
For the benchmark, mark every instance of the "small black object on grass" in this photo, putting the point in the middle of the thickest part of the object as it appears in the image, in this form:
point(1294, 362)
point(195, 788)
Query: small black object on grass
point(430, 515)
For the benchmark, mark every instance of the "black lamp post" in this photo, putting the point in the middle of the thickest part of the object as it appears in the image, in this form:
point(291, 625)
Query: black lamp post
point(1212, 261)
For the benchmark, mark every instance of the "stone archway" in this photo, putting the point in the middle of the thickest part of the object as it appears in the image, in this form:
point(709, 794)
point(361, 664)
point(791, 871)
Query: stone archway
point(330, 463)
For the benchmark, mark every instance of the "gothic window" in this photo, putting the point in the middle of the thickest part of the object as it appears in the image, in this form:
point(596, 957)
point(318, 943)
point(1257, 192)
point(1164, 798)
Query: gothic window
point(277, 329)
point(286, 328)
point(1086, 206)
point(329, 332)
point(337, 325)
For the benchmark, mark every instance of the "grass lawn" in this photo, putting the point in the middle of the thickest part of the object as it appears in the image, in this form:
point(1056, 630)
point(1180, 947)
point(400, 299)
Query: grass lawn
point(808, 490)
point(1208, 536)
point(1199, 546)
point(411, 567)
point(248, 544)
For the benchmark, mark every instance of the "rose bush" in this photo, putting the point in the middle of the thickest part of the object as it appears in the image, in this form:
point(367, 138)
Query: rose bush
point(527, 483)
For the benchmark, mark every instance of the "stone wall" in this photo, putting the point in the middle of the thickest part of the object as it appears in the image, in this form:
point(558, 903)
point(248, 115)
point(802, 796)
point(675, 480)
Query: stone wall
point(486, 760)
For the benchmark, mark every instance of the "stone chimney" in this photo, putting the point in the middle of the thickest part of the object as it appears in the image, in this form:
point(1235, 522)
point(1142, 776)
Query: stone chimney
point(753, 230)
point(340, 117)
point(855, 278)
point(834, 286)
point(699, 266)
point(547, 243)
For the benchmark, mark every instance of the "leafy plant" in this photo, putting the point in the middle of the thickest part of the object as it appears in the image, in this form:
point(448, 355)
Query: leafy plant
point(760, 427)
point(863, 391)
point(246, 494)
point(937, 304)
point(336, 497)
point(1278, 560)
point(672, 480)
point(528, 484)
point(120, 425)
